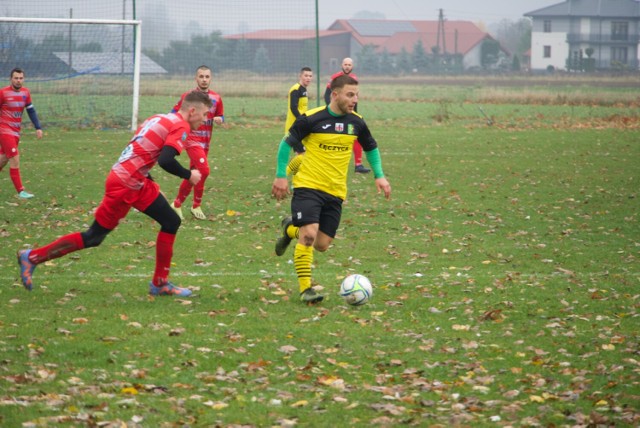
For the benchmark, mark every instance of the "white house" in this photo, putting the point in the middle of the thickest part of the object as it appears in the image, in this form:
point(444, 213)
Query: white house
point(609, 30)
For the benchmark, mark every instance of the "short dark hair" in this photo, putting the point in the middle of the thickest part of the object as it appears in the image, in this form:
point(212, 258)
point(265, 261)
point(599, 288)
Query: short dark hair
point(16, 70)
point(340, 81)
point(197, 97)
point(303, 69)
point(203, 67)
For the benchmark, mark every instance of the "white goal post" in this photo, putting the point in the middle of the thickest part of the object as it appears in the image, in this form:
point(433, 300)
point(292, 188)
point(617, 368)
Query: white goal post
point(137, 50)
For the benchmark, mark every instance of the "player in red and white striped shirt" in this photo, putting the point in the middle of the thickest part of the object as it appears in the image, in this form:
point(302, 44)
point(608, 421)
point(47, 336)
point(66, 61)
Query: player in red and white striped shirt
point(158, 140)
point(197, 145)
point(14, 99)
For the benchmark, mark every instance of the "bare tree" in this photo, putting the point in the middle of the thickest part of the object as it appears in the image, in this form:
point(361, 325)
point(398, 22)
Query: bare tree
point(515, 36)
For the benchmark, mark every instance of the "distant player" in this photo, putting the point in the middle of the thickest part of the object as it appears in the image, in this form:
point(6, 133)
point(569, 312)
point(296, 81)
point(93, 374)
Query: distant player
point(13, 100)
point(297, 103)
point(347, 68)
point(197, 145)
point(158, 140)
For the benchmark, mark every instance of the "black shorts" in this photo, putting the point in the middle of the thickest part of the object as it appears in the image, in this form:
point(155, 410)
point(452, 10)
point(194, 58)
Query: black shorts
point(310, 206)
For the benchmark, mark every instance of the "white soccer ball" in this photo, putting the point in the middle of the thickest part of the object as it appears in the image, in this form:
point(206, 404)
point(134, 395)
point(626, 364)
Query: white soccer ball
point(356, 290)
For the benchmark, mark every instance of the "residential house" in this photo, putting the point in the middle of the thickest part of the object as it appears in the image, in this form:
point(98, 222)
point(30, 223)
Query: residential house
point(606, 31)
point(290, 49)
point(447, 37)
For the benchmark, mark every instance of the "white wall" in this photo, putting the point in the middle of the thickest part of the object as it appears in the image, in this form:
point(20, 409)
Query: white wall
point(559, 50)
point(473, 57)
point(585, 26)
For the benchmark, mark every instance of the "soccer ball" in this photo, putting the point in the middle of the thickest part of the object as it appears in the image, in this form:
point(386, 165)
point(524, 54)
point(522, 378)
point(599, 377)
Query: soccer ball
point(356, 290)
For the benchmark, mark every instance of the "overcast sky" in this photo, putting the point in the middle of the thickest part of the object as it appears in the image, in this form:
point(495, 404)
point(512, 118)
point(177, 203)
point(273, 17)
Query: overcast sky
point(487, 11)
point(170, 19)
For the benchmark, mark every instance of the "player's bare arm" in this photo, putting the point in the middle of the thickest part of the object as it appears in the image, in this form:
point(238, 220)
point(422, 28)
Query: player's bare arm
point(280, 188)
point(382, 184)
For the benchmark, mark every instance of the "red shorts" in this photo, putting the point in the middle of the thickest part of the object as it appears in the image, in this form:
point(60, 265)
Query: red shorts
point(9, 145)
point(198, 158)
point(118, 200)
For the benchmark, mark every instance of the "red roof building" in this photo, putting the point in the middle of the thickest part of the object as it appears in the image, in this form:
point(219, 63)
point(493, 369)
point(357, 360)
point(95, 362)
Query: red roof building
point(291, 49)
point(458, 37)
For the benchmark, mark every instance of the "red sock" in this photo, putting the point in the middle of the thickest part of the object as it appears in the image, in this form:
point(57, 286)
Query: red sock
point(14, 173)
point(183, 192)
point(164, 254)
point(58, 248)
point(357, 152)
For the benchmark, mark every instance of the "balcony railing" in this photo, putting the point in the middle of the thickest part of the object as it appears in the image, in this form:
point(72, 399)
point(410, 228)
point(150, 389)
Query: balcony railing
point(631, 39)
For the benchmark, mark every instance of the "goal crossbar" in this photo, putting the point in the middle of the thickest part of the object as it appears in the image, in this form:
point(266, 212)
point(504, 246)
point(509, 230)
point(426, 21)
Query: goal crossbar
point(137, 45)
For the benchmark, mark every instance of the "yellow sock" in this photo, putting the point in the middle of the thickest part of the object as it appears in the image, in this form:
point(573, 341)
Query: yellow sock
point(293, 232)
point(302, 260)
point(294, 165)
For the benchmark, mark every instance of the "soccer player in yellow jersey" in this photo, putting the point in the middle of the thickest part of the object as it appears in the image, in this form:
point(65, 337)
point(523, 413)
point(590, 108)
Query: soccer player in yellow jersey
point(326, 136)
point(298, 101)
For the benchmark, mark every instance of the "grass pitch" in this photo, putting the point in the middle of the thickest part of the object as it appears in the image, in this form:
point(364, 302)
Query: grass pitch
point(505, 272)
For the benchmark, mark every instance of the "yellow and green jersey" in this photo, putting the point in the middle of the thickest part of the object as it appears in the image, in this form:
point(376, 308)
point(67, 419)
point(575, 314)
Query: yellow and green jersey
point(298, 104)
point(327, 142)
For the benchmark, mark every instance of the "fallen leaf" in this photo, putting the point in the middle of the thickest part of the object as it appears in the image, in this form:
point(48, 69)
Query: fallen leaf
point(287, 349)
point(459, 327)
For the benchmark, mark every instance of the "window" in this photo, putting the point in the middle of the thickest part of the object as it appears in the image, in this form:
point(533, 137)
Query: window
point(619, 30)
point(619, 55)
point(547, 52)
point(547, 26)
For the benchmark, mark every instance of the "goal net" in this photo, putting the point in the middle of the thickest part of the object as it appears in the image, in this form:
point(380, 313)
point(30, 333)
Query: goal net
point(82, 73)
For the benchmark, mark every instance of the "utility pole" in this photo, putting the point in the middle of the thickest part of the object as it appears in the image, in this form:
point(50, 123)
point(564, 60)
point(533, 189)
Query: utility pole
point(455, 42)
point(441, 32)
